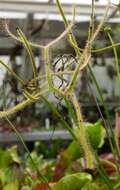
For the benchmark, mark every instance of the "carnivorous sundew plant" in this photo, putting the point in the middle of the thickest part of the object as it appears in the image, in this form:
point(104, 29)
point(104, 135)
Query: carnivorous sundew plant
point(84, 137)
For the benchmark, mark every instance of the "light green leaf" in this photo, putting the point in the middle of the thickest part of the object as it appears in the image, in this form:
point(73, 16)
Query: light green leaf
point(14, 154)
point(91, 186)
point(12, 186)
point(73, 182)
point(96, 133)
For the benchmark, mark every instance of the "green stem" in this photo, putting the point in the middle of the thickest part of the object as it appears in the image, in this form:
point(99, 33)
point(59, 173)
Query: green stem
point(116, 60)
point(27, 150)
point(22, 105)
point(82, 137)
point(49, 74)
point(29, 50)
point(47, 68)
point(103, 173)
point(71, 37)
point(110, 131)
point(56, 112)
point(12, 72)
point(84, 60)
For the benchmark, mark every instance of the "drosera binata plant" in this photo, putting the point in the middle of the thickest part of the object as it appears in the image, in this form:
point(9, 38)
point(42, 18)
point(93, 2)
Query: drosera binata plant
point(83, 60)
point(37, 91)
